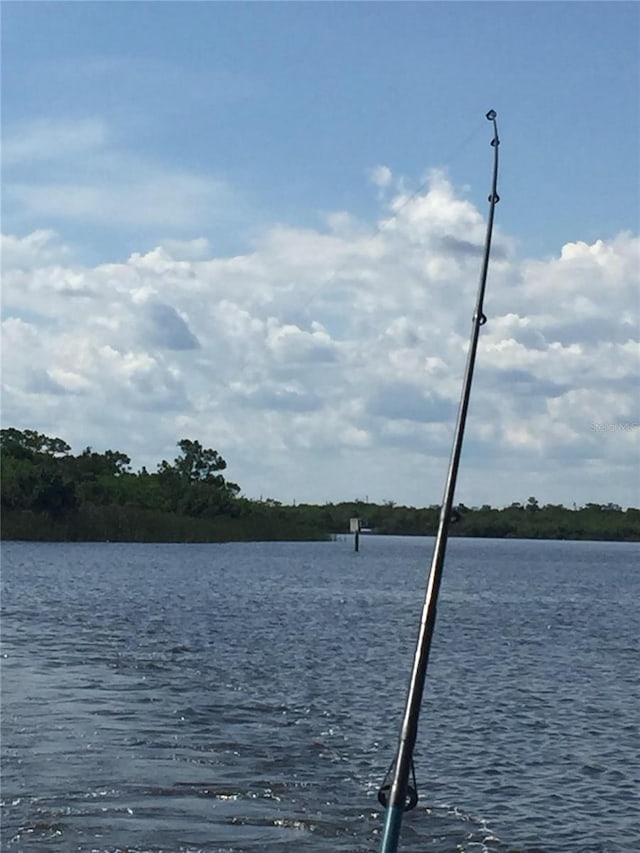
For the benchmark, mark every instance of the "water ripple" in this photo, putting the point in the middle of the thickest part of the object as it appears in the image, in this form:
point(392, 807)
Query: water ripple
point(246, 698)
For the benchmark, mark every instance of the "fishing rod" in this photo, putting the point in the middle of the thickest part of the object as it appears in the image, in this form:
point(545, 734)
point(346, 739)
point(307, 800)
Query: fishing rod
point(396, 793)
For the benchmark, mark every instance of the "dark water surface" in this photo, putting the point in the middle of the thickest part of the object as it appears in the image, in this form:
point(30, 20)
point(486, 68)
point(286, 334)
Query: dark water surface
point(245, 698)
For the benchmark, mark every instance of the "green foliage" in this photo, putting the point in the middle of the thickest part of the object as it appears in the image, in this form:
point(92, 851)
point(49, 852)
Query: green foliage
point(26, 444)
point(33, 475)
point(196, 464)
point(47, 493)
point(529, 521)
point(91, 523)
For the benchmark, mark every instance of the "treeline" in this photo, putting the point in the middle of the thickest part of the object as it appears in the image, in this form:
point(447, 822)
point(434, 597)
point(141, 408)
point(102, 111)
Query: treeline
point(50, 494)
point(519, 521)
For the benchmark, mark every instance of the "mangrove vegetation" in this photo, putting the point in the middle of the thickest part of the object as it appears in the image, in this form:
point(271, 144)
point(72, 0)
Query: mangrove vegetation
point(50, 494)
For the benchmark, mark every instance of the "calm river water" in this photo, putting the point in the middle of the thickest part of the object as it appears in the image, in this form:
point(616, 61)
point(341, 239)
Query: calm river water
point(246, 698)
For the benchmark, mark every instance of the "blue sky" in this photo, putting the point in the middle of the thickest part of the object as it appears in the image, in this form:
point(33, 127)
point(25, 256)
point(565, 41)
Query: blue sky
point(257, 144)
point(291, 103)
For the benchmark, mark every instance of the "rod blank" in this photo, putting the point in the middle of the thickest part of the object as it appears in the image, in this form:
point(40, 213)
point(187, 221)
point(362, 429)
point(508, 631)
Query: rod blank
point(402, 766)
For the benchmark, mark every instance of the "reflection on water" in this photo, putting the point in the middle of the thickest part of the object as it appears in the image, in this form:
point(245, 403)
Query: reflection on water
point(247, 697)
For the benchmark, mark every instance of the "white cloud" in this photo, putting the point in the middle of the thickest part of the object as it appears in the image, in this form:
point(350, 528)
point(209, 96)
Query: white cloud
point(187, 250)
point(150, 199)
point(48, 140)
point(328, 365)
point(40, 248)
point(75, 171)
point(294, 346)
point(381, 176)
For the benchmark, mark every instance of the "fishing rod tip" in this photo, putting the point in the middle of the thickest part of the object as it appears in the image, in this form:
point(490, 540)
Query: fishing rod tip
point(491, 115)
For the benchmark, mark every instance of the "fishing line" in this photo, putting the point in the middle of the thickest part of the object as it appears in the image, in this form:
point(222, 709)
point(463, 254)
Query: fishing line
point(457, 151)
point(386, 223)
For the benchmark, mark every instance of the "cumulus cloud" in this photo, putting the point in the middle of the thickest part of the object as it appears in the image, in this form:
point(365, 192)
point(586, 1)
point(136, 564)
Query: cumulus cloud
point(165, 328)
point(403, 401)
point(38, 249)
point(327, 364)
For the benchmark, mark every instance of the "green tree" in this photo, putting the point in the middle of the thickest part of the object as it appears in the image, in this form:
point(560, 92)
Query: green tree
point(193, 484)
point(25, 444)
point(53, 494)
point(197, 464)
point(32, 473)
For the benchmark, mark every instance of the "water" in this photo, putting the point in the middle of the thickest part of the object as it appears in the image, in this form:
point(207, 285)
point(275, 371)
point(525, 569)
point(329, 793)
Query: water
point(245, 698)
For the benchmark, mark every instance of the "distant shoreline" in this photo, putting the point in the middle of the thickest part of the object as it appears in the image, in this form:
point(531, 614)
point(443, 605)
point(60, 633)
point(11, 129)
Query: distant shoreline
point(5, 540)
point(48, 494)
point(309, 523)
